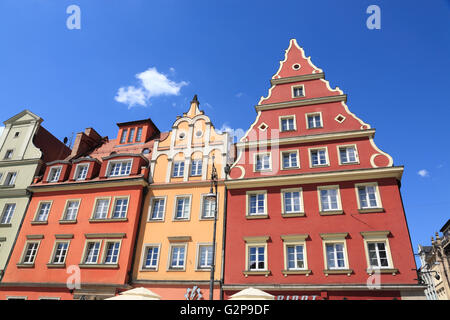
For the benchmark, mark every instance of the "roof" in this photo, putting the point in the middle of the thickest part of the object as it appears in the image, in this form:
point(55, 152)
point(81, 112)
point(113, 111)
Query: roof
point(446, 225)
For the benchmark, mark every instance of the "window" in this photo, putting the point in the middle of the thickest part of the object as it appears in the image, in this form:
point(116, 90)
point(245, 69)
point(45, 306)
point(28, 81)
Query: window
point(81, 172)
point(151, 257)
point(205, 256)
point(157, 209)
point(368, 197)
point(295, 257)
point(120, 168)
point(335, 256)
point(314, 120)
point(262, 162)
point(120, 208)
point(30, 252)
point(16, 134)
point(292, 202)
point(329, 198)
point(178, 169)
point(131, 135)
point(60, 252)
point(43, 211)
point(101, 209)
point(112, 252)
point(1, 176)
point(290, 159)
point(123, 138)
point(196, 168)
point(298, 92)
point(256, 203)
point(319, 157)
point(54, 174)
point(287, 123)
point(92, 252)
point(348, 154)
point(208, 208)
point(139, 134)
point(8, 212)
point(8, 154)
point(377, 255)
point(71, 211)
point(256, 258)
point(177, 257)
point(182, 208)
point(10, 178)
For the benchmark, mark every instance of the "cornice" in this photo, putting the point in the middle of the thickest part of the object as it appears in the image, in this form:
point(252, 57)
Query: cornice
point(309, 138)
point(327, 287)
point(300, 103)
point(317, 177)
point(23, 162)
point(305, 77)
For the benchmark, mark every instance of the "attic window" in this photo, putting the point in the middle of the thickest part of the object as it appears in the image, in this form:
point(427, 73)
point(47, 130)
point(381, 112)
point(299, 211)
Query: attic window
point(146, 151)
point(296, 66)
point(263, 126)
point(182, 135)
point(340, 118)
point(199, 133)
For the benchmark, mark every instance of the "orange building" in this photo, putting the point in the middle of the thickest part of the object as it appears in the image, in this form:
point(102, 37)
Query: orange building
point(174, 249)
point(78, 236)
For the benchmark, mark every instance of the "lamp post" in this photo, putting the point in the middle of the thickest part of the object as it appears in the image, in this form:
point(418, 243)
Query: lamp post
point(212, 196)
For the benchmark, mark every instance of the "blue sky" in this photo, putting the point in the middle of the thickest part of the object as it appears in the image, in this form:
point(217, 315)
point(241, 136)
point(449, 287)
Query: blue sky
point(396, 78)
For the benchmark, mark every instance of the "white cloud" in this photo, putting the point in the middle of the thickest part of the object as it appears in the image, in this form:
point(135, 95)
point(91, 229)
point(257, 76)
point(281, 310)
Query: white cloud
point(152, 84)
point(423, 173)
point(206, 104)
point(235, 134)
point(239, 94)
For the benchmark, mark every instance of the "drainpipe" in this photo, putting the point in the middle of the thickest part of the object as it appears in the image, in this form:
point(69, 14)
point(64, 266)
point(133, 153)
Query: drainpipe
point(227, 171)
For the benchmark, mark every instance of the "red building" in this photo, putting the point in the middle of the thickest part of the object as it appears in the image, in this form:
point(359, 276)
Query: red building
point(78, 237)
point(314, 207)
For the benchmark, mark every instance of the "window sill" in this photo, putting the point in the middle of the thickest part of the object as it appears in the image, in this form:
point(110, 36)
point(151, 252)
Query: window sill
point(67, 221)
point(176, 270)
point(257, 216)
point(371, 210)
point(320, 166)
point(7, 186)
point(108, 220)
point(348, 163)
point(263, 170)
point(98, 266)
point(148, 270)
point(288, 272)
point(256, 273)
point(290, 168)
point(394, 271)
point(348, 272)
point(56, 265)
point(5, 225)
point(25, 265)
point(293, 214)
point(331, 212)
point(181, 220)
point(39, 222)
point(202, 269)
point(206, 219)
point(155, 220)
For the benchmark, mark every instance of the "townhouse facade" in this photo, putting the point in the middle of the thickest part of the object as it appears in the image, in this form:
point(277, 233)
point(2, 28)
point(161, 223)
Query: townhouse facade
point(174, 252)
point(25, 147)
point(79, 232)
point(314, 206)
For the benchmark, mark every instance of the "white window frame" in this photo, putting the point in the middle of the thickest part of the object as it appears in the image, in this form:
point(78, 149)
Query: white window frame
point(66, 207)
point(259, 244)
point(7, 214)
point(282, 159)
point(198, 267)
point(283, 209)
point(38, 209)
point(105, 251)
point(169, 261)
point(78, 169)
point(314, 114)
point(311, 165)
point(287, 117)
point(12, 177)
point(295, 87)
point(53, 255)
point(338, 200)
point(347, 146)
point(150, 209)
point(179, 173)
point(110, 167)
point(377, 237)
point(248, 195)
point(114, 206)
point(8, 154)
point(25, 249)
point(294, 240)
point(377, 195)
point(202, 202)
point(175, 208)
point(94, 209)
point(56, 176)
point(85, 252)
point(144, 257)
point(338, 238)
point(255, 156)
point(201, 169)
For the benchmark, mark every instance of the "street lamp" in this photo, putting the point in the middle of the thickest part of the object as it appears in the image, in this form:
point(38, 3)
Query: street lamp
point(212, 196)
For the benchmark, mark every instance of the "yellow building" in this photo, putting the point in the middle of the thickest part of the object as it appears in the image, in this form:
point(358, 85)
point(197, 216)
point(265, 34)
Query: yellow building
point(174, 249)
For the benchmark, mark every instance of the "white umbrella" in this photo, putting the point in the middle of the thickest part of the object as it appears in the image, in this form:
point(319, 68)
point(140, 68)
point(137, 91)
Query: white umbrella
point(136, 294)
point(252, 294)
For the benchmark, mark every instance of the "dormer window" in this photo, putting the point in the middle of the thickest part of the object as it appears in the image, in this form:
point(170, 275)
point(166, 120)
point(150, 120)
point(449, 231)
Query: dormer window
point(139, 135)
point(123, 138)
point(81, 171)
point(131, 135)
point(54, 174)
point(119, 168)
